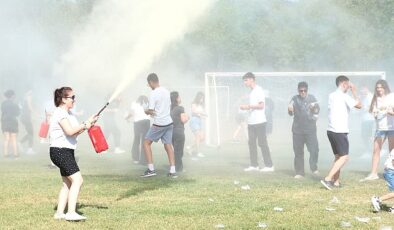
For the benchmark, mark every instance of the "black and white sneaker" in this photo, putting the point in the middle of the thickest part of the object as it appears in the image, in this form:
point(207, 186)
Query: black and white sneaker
point(375, 201)
point(327, 184)
point(149, 173)
point(172, 175)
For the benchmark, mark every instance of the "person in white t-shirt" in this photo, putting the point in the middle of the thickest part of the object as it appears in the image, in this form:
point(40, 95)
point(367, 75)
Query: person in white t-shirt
point(141, 126)
point(162, 127)
point(339, 105)
point(196, 123)
point(63, 131)
point(256, 125)
point(389, 177)
point(382, 109)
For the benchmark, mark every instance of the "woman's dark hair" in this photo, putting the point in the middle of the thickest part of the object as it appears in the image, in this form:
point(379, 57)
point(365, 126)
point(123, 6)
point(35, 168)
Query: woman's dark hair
point(174, 96)
point(386, 88)
point(197, 100)
point(9, 93)
point(59, 94)
point(142, 100)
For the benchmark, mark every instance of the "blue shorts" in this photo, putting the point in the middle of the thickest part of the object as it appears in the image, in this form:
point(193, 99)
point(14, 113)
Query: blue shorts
point(195, 124)
point(164, 133)
point(384, 133)
point(389, 177)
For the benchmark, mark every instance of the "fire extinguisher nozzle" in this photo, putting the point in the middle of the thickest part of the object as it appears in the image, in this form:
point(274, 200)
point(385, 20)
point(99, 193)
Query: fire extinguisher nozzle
point(101, 110)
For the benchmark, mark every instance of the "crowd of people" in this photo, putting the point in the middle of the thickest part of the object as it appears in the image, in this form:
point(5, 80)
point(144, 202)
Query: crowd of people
point(162, 117)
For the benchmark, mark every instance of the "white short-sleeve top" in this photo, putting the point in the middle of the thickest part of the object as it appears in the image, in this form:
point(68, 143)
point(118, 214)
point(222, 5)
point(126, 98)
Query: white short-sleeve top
point(57, 137)
point(339, 105)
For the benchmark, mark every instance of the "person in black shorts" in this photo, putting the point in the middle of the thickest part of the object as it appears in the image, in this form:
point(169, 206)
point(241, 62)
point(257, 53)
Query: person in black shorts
point(339, 105)
point(179, 118)
point(63, 131)
point(9, 123)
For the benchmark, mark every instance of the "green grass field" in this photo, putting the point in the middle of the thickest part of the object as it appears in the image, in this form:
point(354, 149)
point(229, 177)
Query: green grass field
point(204, 197)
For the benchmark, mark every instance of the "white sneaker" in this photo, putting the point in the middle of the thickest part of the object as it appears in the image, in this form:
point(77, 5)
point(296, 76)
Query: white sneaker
point(251, 168)
point(200, 155)
point(59, 216)
point(30, 151)
point(267, 169)
point(118, 150)
point(298, 177)
point(375, 203)
point(370, 177)
point(74, 217)
point(316, 173)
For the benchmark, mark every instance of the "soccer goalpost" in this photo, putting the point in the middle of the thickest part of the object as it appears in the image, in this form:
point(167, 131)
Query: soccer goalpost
point(281, 86)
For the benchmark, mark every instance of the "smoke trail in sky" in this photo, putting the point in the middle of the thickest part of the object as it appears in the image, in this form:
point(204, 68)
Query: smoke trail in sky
point(123, 38)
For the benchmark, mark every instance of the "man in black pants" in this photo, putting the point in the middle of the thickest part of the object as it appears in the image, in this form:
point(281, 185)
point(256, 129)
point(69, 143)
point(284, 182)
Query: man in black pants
point(256, 125)
point(305, 109)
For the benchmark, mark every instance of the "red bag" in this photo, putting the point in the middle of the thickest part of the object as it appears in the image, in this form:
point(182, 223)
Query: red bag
point(43, 133)
point(98, 139)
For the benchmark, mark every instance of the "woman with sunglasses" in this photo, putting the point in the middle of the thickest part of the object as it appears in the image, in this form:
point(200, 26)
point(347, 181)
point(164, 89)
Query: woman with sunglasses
point(63, 131)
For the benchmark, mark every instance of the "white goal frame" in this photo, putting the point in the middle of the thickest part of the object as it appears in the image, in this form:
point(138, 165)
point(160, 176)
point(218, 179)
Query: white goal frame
point(210, 82)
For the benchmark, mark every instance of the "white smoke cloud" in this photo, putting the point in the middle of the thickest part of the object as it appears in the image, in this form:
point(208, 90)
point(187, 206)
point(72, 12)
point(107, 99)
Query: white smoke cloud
point(122, 38)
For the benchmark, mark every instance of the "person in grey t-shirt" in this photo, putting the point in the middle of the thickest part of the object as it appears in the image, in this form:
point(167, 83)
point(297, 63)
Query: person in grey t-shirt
point(162, 127)
point(305, 109)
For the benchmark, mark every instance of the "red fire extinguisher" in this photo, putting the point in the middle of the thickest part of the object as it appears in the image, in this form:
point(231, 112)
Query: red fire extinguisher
point(43, 133)
point(98, 139)
point(97, 136)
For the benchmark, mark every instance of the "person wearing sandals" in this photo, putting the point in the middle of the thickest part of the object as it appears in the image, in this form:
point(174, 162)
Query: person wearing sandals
point(382, 109)
point(63, 132)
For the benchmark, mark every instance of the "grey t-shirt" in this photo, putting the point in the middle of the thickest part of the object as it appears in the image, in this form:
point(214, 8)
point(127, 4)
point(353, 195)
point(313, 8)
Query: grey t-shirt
point(304, 117)
point(160, 102)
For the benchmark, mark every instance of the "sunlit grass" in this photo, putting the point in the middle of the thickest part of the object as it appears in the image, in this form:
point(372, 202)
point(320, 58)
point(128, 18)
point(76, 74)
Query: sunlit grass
point(115, 197)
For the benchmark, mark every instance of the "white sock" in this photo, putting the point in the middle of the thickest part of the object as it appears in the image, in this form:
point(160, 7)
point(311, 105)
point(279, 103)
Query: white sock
point(151, 167)
point(172, 169)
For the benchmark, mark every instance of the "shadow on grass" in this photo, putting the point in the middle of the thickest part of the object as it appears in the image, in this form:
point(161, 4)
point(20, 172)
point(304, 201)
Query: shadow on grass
point(81, 206)
point(150, 184)
point(142, 184)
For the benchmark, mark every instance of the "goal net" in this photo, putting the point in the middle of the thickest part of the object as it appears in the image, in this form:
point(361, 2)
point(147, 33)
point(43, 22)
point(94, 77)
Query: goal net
point(224, 92)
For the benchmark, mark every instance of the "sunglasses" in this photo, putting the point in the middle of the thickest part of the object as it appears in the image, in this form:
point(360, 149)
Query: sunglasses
point(72, 97)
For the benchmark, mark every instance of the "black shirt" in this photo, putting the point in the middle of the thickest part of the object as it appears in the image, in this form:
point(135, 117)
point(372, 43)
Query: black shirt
point(305, 115)
point(9, 111)
point(176, 117)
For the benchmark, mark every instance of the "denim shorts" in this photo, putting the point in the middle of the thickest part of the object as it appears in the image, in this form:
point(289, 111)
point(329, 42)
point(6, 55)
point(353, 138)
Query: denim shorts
point(384, 133)
point(164, 133)
point(389, 177)
point(195, 124)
